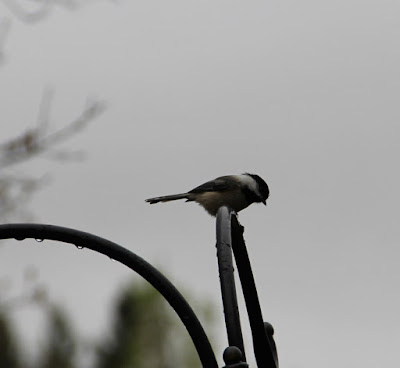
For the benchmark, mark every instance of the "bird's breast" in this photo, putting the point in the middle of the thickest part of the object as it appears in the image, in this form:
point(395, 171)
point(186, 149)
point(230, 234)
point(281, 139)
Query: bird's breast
point(212, 201)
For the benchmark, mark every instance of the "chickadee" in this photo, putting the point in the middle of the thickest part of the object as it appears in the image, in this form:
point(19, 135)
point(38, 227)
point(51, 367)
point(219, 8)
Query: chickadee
point(234, 191)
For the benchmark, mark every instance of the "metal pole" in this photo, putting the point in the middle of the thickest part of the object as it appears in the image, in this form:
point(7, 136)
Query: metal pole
point(228, 289)
point(264, 345)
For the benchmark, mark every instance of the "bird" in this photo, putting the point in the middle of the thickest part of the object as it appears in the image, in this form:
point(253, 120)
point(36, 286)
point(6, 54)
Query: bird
point(234, 191)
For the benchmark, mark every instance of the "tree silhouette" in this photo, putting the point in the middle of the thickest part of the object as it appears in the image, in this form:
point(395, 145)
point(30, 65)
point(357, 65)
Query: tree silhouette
point(8, 343)
point(146, 333)
point(59, 348)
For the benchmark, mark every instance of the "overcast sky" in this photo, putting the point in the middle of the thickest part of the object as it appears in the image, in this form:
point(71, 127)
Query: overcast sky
point(303, 93)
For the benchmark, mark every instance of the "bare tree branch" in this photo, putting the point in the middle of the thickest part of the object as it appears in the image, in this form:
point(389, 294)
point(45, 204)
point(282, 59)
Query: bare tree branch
point(40, 140)
point(36, 141)
point(15, 191)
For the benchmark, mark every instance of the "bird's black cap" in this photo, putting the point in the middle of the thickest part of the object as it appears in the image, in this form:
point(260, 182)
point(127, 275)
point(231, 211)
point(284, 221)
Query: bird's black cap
point(262, 185)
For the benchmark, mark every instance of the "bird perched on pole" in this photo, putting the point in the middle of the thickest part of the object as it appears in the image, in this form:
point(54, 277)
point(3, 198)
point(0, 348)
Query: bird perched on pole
point(234, 191)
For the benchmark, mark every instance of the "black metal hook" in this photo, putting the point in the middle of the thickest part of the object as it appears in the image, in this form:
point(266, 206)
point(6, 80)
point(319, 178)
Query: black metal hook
point(147, 271)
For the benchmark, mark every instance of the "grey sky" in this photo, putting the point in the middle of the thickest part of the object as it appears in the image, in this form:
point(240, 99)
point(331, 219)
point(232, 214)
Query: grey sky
point(303, 93)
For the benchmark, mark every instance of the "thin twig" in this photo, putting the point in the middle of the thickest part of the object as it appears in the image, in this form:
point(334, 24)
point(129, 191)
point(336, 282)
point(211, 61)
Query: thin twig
point(36, 141)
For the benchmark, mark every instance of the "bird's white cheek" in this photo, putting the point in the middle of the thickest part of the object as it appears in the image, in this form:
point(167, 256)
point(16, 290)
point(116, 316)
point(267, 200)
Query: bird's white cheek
point(250, 183)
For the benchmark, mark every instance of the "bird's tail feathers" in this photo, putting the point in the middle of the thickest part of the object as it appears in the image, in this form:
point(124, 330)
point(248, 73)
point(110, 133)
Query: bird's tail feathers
point(168, 198)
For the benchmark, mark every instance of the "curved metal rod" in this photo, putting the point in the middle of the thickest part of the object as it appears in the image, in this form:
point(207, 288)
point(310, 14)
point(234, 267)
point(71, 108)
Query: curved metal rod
point(129, 259)
point(227, 280)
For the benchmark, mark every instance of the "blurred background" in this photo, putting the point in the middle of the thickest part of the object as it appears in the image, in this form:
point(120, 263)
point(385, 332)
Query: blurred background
point(106, 103)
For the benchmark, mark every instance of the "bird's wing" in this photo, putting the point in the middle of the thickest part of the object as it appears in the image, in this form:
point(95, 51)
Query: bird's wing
point(217, 185)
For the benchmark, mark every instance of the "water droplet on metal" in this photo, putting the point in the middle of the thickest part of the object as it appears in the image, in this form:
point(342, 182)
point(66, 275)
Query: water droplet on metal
point(79, 246)
point(19, 239)
point(39, 240)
